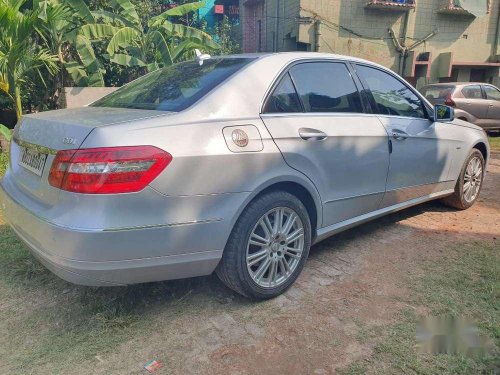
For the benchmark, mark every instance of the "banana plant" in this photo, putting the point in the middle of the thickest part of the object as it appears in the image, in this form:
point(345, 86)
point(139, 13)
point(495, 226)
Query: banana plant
point(19, 55)
point(152, 46)
point(62, 20)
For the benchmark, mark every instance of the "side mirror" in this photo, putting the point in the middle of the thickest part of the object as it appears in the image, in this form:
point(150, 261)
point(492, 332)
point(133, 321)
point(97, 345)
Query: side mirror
point(443, 113)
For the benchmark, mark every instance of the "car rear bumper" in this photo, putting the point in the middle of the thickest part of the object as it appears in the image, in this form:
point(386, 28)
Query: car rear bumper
point(47, 241)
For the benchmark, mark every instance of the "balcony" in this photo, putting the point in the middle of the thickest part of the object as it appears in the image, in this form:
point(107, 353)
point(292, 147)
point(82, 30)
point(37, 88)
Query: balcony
point(476, 8)
point(392, 5)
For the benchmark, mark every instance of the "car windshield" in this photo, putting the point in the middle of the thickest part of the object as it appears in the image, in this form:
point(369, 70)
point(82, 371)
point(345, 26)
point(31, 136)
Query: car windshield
point(437, 92)
point(175, 87)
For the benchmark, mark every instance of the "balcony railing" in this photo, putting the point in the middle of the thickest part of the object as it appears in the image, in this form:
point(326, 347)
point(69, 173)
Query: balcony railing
point(397, 5)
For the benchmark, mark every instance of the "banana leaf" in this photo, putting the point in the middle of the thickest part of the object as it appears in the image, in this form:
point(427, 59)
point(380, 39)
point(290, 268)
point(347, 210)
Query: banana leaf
point(126, 60)
point(122, 38)
point(98, 31)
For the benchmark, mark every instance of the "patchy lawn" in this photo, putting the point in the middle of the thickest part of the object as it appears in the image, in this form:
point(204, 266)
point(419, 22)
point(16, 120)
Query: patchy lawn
point(494, 143)
point(4, 161)
point(465, 281)
point(353, 310)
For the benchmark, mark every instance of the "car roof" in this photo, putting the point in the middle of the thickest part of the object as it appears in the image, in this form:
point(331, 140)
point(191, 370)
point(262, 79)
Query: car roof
point(292, 56)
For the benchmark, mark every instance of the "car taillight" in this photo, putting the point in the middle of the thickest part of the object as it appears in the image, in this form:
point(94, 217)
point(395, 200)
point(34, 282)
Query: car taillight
point(449, 101)
point(107, 170)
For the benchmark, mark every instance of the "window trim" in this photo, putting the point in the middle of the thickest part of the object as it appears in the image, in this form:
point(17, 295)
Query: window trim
point(428, 110)
point(287, 69)
point(278, 83)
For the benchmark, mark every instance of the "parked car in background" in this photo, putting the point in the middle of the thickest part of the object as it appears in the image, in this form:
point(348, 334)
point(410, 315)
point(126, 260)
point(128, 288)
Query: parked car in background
point(478, 103)
point(236, 164)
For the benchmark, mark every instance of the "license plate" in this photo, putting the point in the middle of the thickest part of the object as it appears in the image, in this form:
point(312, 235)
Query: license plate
point(32, 160)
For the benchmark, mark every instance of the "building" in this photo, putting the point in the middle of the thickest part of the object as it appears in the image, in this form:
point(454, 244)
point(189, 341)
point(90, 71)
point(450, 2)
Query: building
point(426, 41)
point(215, 10)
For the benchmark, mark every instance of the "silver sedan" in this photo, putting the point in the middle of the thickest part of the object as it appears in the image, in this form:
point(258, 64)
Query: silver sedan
point(232, 164)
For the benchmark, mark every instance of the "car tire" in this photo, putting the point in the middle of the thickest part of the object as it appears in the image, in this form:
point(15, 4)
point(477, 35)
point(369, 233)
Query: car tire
point(462, 198)
point(269, 244)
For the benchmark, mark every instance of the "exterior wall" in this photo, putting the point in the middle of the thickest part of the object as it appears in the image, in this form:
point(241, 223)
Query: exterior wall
point(75, 97)
point(253, 26)
point(348, 27)
point(282, 25)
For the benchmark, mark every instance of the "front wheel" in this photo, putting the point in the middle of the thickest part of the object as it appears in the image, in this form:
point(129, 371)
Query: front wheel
point(268, 246)
point(469, 182)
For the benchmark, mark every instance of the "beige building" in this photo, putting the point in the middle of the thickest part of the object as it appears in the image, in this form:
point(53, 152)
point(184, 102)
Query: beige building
point(423, 40)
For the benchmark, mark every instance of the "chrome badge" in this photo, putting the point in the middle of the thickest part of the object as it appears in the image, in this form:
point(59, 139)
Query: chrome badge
point(240, 138)
point(69, 141)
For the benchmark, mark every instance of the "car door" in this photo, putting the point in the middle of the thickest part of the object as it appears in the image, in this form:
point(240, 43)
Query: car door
point(421, 150)
point(315, 115)
point(473, 102)
point(493, 99)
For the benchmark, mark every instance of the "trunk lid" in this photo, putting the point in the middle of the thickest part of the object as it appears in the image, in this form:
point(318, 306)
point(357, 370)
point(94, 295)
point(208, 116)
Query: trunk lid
point(48, 132)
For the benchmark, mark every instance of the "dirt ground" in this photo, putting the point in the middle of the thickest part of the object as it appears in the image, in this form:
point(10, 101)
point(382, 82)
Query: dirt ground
point(351, 281)
point(354, 283)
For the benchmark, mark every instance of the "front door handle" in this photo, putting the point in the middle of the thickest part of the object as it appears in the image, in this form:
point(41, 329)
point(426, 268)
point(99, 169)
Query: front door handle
point(312, 134)
point(399, 135)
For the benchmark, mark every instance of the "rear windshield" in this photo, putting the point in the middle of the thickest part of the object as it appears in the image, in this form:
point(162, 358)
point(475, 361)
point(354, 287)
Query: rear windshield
point(437, 92)
point(175, 87)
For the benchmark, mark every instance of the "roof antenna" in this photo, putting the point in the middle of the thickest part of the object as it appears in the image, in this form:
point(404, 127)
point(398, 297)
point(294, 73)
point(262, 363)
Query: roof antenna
point(200, 57)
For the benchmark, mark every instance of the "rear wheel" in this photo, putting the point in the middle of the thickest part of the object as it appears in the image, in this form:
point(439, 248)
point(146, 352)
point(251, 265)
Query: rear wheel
point(268, 246)
point(469, 182)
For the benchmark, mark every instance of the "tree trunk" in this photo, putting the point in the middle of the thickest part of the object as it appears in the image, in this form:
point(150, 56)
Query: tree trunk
point(19, 104)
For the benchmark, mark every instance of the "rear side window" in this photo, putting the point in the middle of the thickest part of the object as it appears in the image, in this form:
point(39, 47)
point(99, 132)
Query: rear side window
point(284, 98)
point(326, 87)
point(492, 93)
point(472, 92)
point(390, 94)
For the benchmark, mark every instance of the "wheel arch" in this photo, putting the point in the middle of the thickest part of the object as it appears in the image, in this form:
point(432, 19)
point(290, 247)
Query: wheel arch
point(483, 149)
point(303, 190)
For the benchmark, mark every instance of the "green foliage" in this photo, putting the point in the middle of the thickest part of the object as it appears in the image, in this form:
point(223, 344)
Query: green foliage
point(4, 162)
point(5, 132)
point(225, 37)
point(133, 44)
point(48, 44)
point(75, 53)
point(20, 56)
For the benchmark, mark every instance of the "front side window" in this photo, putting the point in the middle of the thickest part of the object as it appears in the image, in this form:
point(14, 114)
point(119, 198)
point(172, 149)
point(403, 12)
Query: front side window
point(284, 98)
point(175, 87)
point(472, 92)
point(326, 87)
point(492, 93)
point(390, 94)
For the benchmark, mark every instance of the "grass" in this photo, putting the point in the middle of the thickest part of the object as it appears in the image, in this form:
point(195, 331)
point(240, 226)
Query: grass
point(494, 143)
point(4, 160)
point(48, 323)
point(464, 283)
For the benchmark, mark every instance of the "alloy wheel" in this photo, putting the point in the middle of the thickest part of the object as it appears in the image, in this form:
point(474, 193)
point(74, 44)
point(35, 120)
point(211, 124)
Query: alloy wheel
point(472, 179)
point(275, 247)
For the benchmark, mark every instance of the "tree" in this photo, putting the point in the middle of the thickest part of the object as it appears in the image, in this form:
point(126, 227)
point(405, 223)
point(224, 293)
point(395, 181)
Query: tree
point(75, 55)
point(152, 46)
point(19, 54)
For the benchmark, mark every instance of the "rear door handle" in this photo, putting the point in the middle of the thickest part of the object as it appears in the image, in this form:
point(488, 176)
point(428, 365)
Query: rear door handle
point(312, 134)
point(399, 135)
